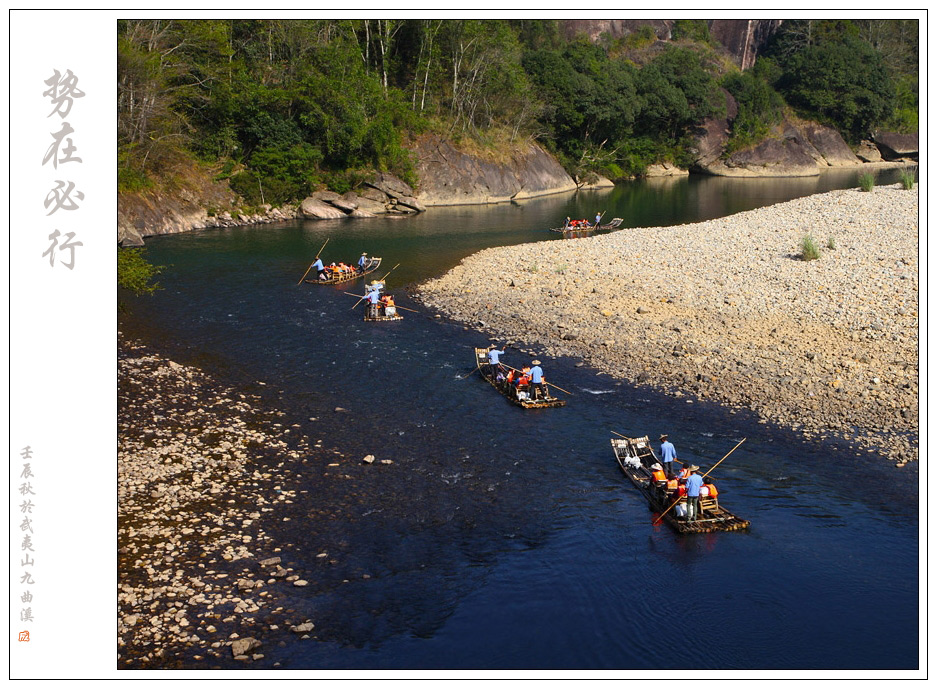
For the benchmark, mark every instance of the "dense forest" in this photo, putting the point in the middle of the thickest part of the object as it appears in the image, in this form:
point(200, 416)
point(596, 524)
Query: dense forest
point(282, 107)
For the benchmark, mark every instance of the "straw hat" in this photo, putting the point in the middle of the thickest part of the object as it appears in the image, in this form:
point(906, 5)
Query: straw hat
point(664, 437)
point(693, 467)
point(535, 362)
point(364, 253)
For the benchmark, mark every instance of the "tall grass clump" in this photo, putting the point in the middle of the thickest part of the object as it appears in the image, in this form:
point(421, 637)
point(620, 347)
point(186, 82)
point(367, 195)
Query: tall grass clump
point(866, 181)
point(809, 251)
point(830, 244)
point(906, 178)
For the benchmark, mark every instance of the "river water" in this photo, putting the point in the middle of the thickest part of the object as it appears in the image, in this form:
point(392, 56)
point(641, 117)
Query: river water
point(506, 538)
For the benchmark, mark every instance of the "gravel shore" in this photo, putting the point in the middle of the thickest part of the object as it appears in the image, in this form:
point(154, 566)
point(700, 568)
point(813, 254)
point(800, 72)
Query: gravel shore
point(201, 470)
point(726, 310)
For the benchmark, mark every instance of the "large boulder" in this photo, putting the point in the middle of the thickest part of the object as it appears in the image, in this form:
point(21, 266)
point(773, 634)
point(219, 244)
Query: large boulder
point(367, 205)
point(830, 146)
point(410, 202)
point(314, 208)
point(868, 152)
point(894, 146)
point(392, 186)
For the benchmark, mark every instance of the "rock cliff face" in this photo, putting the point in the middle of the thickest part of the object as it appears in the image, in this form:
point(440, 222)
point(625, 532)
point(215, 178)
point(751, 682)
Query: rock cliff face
point(450, 177)
point(742, 38)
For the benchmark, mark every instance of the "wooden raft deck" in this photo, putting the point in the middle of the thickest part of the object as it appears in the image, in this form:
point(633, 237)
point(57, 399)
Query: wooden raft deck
point(634, 456)
point(509, 391)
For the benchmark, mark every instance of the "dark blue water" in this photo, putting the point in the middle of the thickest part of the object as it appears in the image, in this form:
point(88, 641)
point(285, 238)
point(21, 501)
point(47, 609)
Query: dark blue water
point(507, 538)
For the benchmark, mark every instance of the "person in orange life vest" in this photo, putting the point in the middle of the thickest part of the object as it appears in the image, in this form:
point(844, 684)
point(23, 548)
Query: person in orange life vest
point(524, 380)
point(671, 483)
point(708, 484)
point(386, 300)
point(657, 474)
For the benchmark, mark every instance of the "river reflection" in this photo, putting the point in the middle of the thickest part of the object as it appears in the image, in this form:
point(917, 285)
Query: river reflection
point(503, 538)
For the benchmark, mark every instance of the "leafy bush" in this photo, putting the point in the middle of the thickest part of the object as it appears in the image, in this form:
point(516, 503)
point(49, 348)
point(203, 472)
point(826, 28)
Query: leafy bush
point(867, 181)
point(809, 251)
point(135, 273)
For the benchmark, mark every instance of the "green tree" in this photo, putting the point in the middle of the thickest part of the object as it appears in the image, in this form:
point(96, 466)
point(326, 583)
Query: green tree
point(842, 83)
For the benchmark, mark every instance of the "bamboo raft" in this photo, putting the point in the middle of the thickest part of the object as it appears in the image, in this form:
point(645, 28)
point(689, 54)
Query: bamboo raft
point(369, 267)
point(634, 456)
point(579, 232)
point(510, 391)
point(383, 314)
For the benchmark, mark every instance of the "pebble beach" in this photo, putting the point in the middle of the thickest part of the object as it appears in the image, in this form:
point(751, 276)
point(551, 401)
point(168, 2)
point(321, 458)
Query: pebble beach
point(728, 311)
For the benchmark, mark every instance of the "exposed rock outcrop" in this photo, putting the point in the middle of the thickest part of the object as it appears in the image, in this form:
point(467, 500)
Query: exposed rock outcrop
point(895, 146)
point(450, 177)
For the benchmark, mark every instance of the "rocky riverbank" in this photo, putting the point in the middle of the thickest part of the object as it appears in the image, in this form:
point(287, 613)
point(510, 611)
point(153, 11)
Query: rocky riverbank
point(202, 471)
point(726, 310)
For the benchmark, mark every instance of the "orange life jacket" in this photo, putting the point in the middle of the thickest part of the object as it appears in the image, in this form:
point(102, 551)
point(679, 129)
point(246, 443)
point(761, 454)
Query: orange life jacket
point(658, 475)
point(712, 490)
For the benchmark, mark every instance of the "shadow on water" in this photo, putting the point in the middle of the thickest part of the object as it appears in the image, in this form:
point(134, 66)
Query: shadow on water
point(500, 537)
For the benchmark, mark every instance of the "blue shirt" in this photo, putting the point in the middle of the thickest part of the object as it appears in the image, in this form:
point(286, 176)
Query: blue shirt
point(493, 356)
point(318, 264)
point(374, 296)
point(693, 485)
point(668, 452)
point(536, 375)
point(362, 261)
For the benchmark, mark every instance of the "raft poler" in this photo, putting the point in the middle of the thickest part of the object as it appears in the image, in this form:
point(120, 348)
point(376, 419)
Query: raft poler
point(373, 295)
point(363, 261)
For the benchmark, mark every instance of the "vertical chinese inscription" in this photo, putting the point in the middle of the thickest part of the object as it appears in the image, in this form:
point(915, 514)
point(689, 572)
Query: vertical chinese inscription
point(27, 553)
point(64, 196)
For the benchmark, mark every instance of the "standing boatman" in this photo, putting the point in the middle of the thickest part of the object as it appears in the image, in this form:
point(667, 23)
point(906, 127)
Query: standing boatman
point(363, 261)
point(693, 484)
point(598, 219)
point(668, 454)
point(319, 267)
point(374, 300)
point(536, 379)
point(494, 362)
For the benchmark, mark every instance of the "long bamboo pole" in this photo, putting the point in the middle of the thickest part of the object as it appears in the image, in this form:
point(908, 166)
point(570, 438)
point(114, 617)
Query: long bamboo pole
point(313, 263)
point(657, 521)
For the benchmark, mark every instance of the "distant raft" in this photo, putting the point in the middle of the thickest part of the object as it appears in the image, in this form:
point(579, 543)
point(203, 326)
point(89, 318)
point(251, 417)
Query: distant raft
point(635, 456)
point(336, 278)
point(515, 394)
point(579, 231)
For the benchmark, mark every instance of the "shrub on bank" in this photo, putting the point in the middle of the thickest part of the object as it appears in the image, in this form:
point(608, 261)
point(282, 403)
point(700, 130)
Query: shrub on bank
point(867, 181)
point(809, 251)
